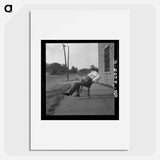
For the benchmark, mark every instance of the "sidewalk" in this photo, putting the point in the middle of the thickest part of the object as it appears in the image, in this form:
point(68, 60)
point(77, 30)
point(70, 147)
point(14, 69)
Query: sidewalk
point(100, 103)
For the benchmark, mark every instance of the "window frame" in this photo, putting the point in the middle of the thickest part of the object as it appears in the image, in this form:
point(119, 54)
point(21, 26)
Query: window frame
point(109, 67)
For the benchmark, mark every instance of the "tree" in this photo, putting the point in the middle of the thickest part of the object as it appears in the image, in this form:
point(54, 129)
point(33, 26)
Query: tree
point(55, 69)
point(47, 67)
point(73, 70)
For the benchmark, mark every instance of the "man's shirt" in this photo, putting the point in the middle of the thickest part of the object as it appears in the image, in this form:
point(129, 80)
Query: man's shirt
point(94, 76)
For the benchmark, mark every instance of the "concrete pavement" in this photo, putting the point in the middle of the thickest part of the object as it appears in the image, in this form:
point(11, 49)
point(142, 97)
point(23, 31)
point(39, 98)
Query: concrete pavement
point(100, 103)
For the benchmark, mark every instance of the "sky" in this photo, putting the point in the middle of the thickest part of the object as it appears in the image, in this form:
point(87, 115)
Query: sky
point(82, 55)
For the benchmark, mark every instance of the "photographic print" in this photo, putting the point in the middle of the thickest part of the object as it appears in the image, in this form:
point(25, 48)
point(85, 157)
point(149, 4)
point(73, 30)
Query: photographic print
point(79, 79)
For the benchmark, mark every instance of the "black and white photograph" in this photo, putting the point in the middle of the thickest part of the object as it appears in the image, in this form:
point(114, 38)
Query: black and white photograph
point(79, 79)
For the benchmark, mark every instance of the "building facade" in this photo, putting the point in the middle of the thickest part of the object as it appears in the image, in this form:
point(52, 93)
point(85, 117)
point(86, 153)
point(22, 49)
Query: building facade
point(106, 63)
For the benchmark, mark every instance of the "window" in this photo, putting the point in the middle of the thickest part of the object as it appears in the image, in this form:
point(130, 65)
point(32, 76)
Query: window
point(106, 60)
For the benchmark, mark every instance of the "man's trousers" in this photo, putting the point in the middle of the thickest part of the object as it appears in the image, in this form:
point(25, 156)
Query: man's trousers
point(86, 82)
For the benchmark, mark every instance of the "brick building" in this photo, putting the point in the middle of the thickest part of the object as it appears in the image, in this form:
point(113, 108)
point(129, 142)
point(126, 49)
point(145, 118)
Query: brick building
point(106, 62)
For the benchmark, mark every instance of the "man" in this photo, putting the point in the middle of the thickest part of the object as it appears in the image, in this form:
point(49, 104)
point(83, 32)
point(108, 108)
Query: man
point(92, 77)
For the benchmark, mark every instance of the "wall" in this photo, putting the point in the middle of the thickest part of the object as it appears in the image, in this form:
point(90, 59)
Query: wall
point(106, 77)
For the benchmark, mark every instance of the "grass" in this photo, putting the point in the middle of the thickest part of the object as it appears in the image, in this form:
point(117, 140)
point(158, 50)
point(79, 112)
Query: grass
point(55, 86)
point(52, 80)
point(54, 96)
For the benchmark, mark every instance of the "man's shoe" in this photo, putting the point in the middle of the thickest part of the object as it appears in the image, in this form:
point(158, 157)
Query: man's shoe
point(66, 94)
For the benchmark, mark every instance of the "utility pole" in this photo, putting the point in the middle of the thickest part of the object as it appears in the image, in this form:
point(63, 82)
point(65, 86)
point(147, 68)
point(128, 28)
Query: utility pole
point(64, 54)
point(65, 61)
point(68, 63)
